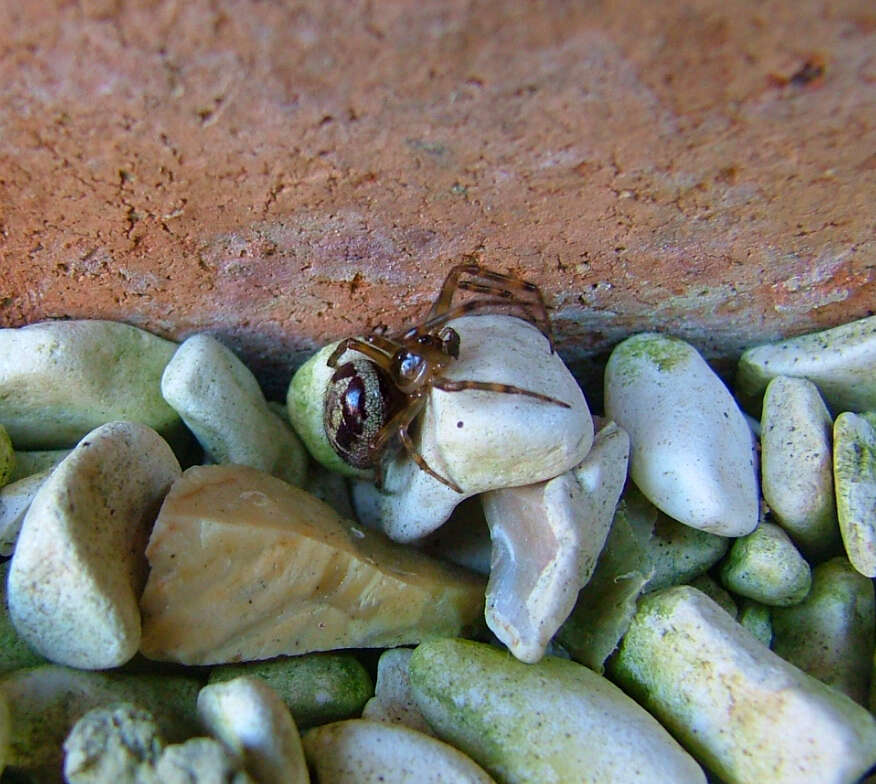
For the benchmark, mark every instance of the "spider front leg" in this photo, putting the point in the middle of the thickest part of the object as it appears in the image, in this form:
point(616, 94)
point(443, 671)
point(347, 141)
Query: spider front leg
point(363, 347)
point(449, 385)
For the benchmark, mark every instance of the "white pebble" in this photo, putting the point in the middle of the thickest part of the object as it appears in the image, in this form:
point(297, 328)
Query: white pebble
point(15, 500)
point(393, 701)
point(79, 564)
point(692, 450)
point(854, 467)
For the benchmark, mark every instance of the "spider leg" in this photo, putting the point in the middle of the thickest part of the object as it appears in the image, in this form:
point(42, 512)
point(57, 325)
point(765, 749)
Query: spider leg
point(421, 461)
point(363, 347)
point(502, 287)
point(448, 385)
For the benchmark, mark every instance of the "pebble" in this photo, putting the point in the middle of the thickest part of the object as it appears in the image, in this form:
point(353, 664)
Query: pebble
point(199, 760)
point(717, 594)
point(551, 721)
point(854, 473)
point(15, 500)
point(765, 566)
point(7, 457)
point(483, 440)
point(839, 361)
point(221, 402)
point(692, 450)
point(45, 702)
point(290, 576)
point(117, 743)
point(62, 379)
point(360, 751)
point(253, 722)
point(393, 701)
point(745, 713)
point(797, 465)
point(546, 538)
point(830, 634)
point(607, 603)
point(15, 653)
point(317, 688)
point(28, 463)
point(78, 566)
point(757, 618)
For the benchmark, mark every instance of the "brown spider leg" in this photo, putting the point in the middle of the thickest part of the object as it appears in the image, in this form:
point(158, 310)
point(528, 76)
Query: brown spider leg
point(356, 344)
point(383, 343)
point(398, 425)
point(448, 385)
point(496, 284)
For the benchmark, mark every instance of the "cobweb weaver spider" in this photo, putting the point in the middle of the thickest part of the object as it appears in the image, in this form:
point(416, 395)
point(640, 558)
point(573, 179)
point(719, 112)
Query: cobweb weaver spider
point(376, 397)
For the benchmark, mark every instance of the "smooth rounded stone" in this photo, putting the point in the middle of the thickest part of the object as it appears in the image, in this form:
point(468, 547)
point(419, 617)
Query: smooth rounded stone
point(318, 688)
point(716, 593)
point(199, 760)
point(290, 576)
point(45, 702)
point(551, 721)
point(28, 463)
point(838, 361)
point(393, 702)
point(15, 500)
point(692, 450)
point(221, 402)
point(546, 540)
point(360, 751)
point(606, 604)
point(830, 634)
point(479, 439)
point(7, 457)
point(854, 474)
point(79, 564)
point(118, 743)
point(757, 618)
point(62, 379)
point(744, 712)
point(765, 566)
point(251, 720)
point(15, 653)
point(797, 464)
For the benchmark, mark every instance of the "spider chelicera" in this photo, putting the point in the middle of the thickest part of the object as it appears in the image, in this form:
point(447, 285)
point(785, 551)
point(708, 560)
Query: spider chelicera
point(373, 398)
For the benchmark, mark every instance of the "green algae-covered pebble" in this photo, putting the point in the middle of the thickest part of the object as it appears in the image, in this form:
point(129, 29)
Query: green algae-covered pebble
point(716, 593)
point(317, 688)
point(830, 633)
point(7, 457)
point(765, 566)
point(757, 618)
point(45, 702)
point(854, 474)
point(62, 379)
point(15, 653)
point(744, 712)
point(554, 721)
point(36, 462)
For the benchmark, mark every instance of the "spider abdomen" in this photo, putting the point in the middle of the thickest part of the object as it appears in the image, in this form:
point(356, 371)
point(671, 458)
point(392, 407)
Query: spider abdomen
point(359, 401)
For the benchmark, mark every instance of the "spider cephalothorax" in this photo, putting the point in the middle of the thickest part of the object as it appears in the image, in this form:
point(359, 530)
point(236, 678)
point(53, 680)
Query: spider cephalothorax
point(374, 398)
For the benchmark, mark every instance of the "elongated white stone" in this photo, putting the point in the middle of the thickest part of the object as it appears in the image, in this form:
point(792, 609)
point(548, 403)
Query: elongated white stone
point(546, 539)
point(551, 721)
point(797, 464)
point(838, 361)
point(483, 440)
point(747, 714)
point(854, 471)
point(15, 500)
point(221, 402)
point(79, 563)
point(252, 721)
point(691, 448)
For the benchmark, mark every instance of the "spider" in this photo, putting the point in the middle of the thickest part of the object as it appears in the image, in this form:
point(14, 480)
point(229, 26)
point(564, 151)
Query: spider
point(375, 397)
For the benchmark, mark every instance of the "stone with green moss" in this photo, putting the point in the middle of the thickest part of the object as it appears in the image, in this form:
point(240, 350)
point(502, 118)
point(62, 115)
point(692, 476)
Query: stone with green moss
point(830, 633)
point(317, 688)
point(765, 566)
point(555, 720)
point(854, 473)
point(692, 449)
point(716, 593)
point(7, 457)
point(62, 379)
point(743, 712)
point(839, 361)
point(797, 465)
point(757, 618)
point(36, 461)
point(15, 653)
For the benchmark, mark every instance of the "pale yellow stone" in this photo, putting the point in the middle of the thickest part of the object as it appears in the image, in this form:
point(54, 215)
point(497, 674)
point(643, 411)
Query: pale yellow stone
point(244, 566)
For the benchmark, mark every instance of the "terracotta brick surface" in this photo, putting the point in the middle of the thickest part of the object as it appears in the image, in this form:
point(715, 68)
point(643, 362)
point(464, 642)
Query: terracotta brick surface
point(283, 174)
